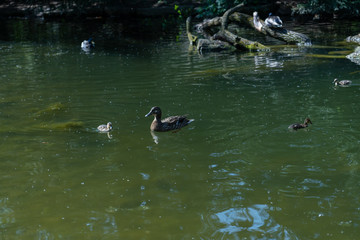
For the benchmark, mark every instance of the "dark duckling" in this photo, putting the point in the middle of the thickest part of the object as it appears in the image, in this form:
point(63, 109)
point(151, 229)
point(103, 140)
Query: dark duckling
point(342, 82)
point(105, 127)
point(297, 126)
point(167, 124)
point(273, 21)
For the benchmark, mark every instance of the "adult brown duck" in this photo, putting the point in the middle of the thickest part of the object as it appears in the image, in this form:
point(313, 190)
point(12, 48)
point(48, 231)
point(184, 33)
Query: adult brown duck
point(167, 124)
point(297, 126)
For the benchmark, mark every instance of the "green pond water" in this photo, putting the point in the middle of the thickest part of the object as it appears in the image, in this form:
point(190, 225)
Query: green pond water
point(236, 172)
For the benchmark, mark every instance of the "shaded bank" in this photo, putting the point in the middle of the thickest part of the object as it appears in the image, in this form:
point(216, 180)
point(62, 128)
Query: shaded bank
point(70, 9)
point(93, 9)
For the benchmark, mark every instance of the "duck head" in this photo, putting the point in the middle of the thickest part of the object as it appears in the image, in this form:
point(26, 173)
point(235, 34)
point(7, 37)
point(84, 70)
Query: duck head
point(335, 81)
point(307, 120)
point(91, 42)
point(109, 125)
point(154, 111)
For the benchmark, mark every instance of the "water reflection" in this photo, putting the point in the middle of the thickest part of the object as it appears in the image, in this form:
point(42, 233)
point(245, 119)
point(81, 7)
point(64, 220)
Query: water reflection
point(108, 134)
point(106, 220)
point(7, 214)
point(155, 137)
point(254, 222)
point(268, 61)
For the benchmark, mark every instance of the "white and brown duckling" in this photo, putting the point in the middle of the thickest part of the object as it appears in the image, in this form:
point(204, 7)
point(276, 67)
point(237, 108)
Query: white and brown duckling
point(297, 126)
point(273, 21)
point(257, 23)
point(166, 124)
point(342, 82)
point(105, 127)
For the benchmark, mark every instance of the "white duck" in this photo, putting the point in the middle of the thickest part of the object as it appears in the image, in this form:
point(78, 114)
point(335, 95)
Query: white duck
point(86, 45)
point(273, 21)
point(257, 23)
point(342, 82)
point(105, 127)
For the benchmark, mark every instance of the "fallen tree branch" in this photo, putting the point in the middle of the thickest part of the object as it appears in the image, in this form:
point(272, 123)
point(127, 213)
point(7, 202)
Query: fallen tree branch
point(206, 45)
point(219, 37)
point(225, 17)
point(192, 38)
point(241, 19)
point(224, 35)
point(239, 42)
point(233, 39)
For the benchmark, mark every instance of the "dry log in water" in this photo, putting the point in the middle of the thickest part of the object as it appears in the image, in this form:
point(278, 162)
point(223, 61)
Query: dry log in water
point(241, 19)
point(277, 33)
point(223, 39)
point(203, 45)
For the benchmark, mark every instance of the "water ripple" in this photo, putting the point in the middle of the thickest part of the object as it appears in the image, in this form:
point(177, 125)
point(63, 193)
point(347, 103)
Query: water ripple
point(253, 222)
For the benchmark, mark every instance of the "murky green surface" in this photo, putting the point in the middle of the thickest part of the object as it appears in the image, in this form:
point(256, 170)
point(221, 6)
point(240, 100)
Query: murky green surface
point(235, 173)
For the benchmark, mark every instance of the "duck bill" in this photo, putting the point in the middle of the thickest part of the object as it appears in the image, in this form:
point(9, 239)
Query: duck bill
point(148, 114)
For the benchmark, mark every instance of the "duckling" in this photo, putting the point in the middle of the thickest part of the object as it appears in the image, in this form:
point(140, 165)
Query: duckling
point(257, 23)
point(167, 124)
point(87, 44)
point(297, 126)
point(273, 21)
point(105, 127)
point(342, 82)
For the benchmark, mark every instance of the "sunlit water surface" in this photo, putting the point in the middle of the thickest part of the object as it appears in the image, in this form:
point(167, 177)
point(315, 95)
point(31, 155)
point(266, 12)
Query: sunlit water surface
point(236, 172)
